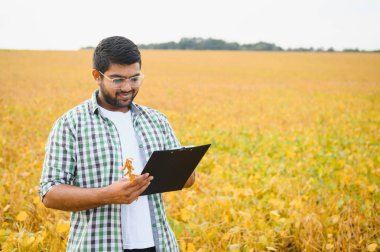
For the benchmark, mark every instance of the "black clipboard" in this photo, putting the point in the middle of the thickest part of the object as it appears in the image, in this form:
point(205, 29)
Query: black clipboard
point(172, 168)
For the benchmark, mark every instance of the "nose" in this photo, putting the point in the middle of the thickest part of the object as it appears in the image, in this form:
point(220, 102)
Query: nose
point(127, 87)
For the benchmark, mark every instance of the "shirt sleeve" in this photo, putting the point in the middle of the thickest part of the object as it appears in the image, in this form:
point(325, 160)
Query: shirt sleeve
point(60, 161)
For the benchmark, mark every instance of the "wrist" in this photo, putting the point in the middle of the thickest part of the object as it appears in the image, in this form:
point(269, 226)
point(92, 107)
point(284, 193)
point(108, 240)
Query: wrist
point(102, 195)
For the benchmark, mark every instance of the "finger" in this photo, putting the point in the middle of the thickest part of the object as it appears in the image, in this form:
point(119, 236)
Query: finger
point(142, 189)
point(139, 191)
point(137, 184)
point(141, 178)
point(145, 183)
point(136, 190)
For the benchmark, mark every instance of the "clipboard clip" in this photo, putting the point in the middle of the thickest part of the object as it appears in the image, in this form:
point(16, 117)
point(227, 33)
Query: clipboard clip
point(184, 148)
point(187, 147)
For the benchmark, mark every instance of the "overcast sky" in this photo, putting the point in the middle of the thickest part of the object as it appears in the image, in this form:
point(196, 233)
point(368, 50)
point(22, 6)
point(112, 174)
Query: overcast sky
point(71, 24)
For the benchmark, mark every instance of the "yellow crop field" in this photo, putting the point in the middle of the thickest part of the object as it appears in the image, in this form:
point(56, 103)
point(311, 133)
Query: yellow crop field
point(294, 163)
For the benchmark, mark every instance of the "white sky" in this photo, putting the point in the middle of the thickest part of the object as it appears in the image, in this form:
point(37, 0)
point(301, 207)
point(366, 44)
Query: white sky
point(70, 24)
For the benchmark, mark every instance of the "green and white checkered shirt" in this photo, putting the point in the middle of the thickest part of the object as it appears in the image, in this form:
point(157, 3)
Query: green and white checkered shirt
point(84, 150)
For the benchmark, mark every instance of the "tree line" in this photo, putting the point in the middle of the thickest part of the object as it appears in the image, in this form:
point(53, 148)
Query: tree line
point(218, 44)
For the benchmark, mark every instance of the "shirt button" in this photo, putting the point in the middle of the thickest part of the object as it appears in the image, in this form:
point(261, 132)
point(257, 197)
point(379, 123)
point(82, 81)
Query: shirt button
point(140, 145)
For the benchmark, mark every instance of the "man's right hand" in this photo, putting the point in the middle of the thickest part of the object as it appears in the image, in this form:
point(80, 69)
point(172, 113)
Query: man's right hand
point(73, 198)
point(125, 191)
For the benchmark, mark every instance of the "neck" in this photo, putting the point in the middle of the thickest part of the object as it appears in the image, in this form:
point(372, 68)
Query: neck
point(104, 104)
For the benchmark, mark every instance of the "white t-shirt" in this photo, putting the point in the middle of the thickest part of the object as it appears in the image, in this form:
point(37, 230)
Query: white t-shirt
point(135, 217)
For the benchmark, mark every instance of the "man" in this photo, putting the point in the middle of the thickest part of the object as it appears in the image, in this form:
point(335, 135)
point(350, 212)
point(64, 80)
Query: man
point(87, 147)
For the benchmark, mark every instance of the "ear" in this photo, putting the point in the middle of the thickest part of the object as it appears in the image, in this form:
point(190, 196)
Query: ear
point(96, 75)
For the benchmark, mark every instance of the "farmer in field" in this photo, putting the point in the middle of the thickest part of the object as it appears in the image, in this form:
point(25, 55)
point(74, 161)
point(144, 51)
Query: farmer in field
point(89, 144)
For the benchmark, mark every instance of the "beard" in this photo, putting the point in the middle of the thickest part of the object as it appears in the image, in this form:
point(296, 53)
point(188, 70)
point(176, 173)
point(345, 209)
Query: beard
point(114, 100)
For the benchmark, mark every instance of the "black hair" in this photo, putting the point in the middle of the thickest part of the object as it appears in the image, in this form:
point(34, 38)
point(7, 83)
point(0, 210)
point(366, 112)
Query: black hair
point(115, 50)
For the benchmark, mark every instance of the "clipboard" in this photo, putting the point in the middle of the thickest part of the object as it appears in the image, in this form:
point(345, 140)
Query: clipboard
point(172, 168)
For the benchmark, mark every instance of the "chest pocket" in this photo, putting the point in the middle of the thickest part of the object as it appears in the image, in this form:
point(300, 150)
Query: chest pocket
point(98, 159)
point(149, 138)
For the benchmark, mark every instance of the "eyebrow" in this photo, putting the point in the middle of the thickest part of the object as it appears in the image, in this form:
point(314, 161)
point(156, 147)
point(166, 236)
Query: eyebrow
point(121, 76)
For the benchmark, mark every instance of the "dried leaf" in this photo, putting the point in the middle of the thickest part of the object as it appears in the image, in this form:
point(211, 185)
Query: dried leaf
point(190, 247)
point(372, 188)
point(372, 247)
point(28, 240)
point(329, 246)
point(234, 247)
point(271, 249)
point(275, 213)
point(6, 208)
point(63, 228)
point(334, 219)
point(22, 216)
point(185, 214)
point(37, 200)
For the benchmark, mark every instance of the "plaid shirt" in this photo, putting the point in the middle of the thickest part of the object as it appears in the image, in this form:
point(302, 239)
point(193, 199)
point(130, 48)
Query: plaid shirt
point(84, 150)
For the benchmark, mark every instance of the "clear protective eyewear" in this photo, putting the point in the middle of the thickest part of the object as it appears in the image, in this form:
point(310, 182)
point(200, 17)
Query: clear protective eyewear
point(117, 83)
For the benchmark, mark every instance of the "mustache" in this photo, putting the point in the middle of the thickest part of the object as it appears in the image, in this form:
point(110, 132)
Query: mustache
point(121, 92)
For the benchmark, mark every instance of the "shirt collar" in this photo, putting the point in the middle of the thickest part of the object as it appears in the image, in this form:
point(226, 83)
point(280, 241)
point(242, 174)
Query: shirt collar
point(94, 106)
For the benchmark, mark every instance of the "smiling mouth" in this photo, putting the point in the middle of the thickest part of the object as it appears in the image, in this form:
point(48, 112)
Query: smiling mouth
point(125, 95)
